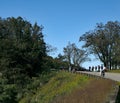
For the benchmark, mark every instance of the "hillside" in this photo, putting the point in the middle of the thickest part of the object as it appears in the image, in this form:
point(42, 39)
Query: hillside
point(66, 87)
point(114, 71)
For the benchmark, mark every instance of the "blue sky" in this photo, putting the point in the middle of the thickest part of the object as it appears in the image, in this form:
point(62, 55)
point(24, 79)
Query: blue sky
point(63, 20)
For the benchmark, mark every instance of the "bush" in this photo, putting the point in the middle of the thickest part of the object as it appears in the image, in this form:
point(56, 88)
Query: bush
point(8, 94)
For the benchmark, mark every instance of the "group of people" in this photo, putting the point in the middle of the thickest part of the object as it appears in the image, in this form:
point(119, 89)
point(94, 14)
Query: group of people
point(98, 68)
point(95, 68)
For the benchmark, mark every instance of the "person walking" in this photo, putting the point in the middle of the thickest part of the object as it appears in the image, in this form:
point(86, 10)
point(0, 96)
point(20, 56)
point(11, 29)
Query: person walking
point(103, 72)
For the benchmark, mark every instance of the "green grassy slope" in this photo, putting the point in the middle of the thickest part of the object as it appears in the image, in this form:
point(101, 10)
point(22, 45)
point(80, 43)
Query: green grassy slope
point(114, 71)
point(61, 84)
point(65, 87)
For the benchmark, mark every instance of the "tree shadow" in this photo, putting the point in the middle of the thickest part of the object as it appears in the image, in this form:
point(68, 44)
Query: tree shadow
point(118, 96)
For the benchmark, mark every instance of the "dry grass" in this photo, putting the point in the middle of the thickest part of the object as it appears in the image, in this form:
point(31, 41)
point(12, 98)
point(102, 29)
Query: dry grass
point(95, 92)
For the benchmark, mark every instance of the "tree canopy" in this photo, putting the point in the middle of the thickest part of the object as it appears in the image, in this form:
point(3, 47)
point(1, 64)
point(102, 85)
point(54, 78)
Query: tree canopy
point(74, 55)
point(22, 47)
point(104, 41)
point(23, 58)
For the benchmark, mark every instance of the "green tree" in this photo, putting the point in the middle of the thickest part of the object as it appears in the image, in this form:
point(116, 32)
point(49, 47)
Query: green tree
point(102, 41)
point(22, 53)
point(61, 63)
point(22, 49)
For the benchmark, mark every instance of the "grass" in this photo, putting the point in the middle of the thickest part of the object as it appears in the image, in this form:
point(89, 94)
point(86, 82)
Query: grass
point(65, 87)
point(63, 83)
point(114, 71)
point(96, 91)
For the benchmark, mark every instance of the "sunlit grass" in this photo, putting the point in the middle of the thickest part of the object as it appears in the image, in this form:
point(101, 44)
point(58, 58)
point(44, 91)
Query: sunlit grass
point(114, 71)
point(96, 91)
point(119, 83)
point(62, 83)
point(66, 87)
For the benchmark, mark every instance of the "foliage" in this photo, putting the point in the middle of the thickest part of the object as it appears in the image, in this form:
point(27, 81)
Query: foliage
point(22, 49)
point(23, 59)
point(75, 55)
point(51, 63)
point(25, 67)
point(8, 92)
point(118, 95)
point(60, 62)
point(103, 41)
point(32, 87)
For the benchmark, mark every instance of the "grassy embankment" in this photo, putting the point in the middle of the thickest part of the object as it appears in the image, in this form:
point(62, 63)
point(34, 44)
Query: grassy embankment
point(114, 71)
point(118, 96)
point(66, 87)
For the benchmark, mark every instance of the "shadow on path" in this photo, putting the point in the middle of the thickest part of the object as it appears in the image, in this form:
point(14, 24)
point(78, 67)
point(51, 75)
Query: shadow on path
point(118, 96)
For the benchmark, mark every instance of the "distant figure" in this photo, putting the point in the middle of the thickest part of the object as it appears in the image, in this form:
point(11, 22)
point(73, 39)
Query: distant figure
point(92, 68)
point(95, 68)
point(103, 72)
point(89, 68)
point(101, 67)
point(98, 68)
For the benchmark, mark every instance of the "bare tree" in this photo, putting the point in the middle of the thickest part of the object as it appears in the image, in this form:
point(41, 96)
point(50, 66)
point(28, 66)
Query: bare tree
point(68, 54)
point(75, 55)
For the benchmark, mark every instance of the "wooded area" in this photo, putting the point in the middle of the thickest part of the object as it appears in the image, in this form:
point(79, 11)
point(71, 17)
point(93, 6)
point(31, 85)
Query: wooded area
point(24, 55)
point(104, 41)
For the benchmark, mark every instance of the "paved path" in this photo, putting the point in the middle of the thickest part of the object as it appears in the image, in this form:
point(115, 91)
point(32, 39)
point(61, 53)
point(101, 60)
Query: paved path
point(113, 76)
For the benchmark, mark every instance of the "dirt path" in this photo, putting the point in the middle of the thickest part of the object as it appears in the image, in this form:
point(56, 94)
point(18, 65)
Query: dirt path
point(89, 93)
point(113, 76)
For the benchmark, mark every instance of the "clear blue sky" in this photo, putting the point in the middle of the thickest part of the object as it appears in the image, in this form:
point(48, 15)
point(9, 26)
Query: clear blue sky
point(63, 20)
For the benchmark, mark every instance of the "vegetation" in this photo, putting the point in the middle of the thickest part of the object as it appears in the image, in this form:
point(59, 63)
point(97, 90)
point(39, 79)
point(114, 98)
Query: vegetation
point(65, 87)
point(23, 56)
point(63, 83)
point(94, 92)
point(26, 69)
point(118, 95)
point(114, 71)
point(104, 42)
point(22, 49)
point(75, 55)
